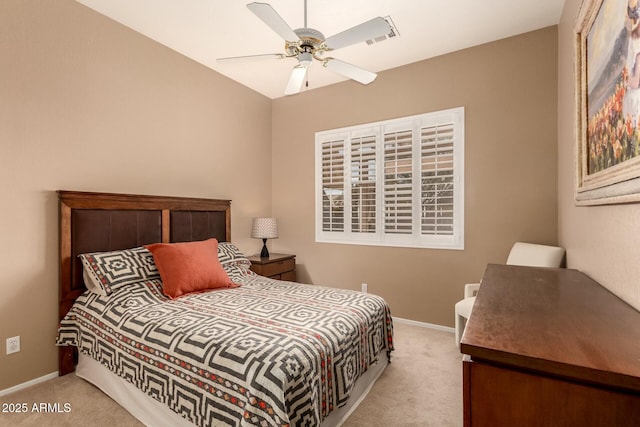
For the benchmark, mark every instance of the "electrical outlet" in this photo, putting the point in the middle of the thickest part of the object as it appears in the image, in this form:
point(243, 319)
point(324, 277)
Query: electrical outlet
point(13, 345)
point(365, 288)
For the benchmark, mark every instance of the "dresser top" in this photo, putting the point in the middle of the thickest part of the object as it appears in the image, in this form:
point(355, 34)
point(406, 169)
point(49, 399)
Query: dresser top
point(556, 321)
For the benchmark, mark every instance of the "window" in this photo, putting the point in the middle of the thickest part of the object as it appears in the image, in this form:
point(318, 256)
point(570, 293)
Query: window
point(393, 183)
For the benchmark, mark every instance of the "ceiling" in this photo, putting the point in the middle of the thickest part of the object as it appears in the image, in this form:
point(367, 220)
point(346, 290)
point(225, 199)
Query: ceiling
point(205, 30)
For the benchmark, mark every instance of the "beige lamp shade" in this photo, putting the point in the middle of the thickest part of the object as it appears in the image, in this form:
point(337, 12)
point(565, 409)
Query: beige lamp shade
point(264, 228)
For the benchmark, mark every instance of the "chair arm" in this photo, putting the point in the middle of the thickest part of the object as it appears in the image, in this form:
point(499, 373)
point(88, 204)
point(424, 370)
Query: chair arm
point(471, 289)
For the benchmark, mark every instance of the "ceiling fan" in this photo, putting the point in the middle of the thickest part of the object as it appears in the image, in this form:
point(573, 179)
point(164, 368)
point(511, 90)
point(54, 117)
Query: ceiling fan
point(307, 44)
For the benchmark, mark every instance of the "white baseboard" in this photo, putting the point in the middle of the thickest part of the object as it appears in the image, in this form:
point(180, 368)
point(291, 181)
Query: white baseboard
point(424, 325)
point(29, 383)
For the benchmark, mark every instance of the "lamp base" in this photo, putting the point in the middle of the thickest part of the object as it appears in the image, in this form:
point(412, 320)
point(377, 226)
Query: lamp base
point(265, 251)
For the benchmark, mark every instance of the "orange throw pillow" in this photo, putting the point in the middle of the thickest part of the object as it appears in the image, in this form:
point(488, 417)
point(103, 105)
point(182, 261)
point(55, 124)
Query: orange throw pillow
point(189, 267)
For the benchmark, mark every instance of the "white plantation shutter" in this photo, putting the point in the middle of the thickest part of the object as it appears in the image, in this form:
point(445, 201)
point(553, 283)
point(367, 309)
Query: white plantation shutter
point(401, 181)
point(436, 173)
point(333, 185)
point(398, 182)
point(363, 184)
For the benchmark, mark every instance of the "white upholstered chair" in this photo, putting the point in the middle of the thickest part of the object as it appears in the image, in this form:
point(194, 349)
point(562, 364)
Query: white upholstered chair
point(527, 254)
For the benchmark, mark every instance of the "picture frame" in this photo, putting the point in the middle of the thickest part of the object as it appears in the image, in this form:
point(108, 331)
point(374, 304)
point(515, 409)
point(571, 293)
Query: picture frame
point(607, 102)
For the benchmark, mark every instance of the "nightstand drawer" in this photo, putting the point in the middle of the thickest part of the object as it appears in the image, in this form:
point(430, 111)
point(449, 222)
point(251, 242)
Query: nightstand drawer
point(277, 267)
point(289, 276)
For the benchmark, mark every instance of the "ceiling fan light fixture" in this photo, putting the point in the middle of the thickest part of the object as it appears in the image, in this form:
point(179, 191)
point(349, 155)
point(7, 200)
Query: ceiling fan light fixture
point(305, 59)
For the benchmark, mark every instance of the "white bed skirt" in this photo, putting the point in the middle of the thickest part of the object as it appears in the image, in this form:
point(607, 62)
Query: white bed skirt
point(153, 413)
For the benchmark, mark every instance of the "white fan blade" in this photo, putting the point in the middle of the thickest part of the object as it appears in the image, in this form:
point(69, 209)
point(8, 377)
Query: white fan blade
point(349, 70)
point(270, 17)
point(295, 80)
point(234, 59)
point(368, 30)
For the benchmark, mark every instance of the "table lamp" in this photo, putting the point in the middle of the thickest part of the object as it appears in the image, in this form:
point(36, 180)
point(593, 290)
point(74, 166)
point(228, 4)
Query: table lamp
point(264, 228)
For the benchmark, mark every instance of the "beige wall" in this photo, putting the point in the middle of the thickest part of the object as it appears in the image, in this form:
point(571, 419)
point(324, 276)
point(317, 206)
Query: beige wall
point(87, 104)
point(601, 241)
point(509, 91)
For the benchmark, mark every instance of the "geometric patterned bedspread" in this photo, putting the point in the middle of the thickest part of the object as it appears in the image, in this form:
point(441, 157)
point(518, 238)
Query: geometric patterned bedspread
point(268, 353)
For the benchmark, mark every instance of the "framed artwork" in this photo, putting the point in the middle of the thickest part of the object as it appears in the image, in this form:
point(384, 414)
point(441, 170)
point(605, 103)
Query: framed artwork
point(608, 102)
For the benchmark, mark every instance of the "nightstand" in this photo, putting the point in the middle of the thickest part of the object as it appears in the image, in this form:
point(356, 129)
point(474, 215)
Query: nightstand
point(277, 266)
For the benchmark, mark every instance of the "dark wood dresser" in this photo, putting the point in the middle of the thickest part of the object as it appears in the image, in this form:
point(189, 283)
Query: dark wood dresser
point(550, 347)
point(276, 266)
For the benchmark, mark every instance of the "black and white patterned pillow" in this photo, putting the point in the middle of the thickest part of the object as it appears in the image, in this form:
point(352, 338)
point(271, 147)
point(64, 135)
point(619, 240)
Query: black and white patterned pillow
point(233, 261)
point(104, 270)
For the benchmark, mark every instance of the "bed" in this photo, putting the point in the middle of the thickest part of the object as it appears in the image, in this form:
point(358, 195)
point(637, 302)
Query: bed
point(263, 352)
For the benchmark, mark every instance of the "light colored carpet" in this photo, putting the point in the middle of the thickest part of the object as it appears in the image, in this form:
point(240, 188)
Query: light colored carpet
point(421, 387)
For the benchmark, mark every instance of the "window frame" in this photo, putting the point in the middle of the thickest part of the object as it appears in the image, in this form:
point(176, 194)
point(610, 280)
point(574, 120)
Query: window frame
point(455, 241)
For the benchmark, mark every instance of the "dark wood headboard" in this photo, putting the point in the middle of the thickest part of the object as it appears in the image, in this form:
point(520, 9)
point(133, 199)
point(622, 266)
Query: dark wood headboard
point(98, 222)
